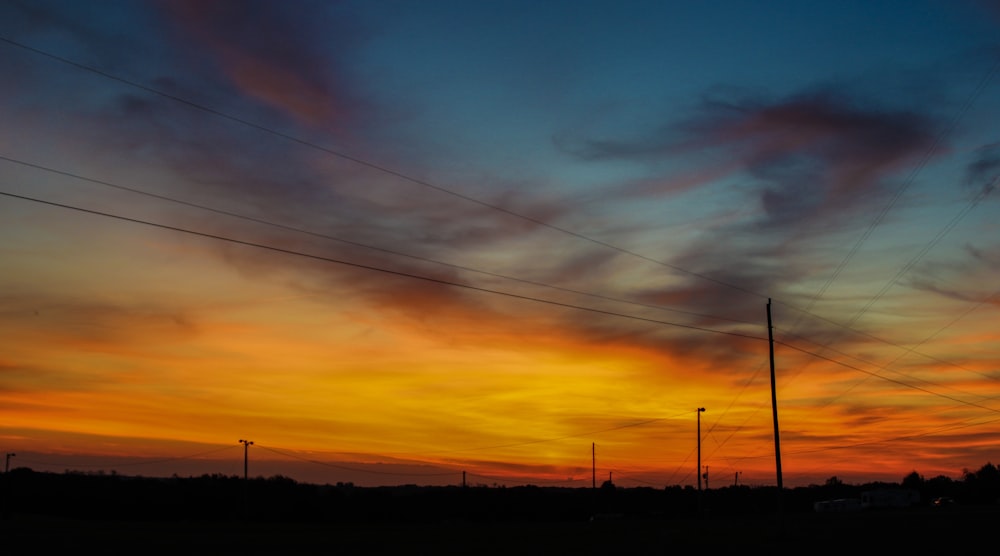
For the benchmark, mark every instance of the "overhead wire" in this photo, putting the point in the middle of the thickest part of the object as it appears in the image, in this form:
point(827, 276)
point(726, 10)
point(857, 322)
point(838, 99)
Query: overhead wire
point(378, 167)
point(906, 184)
point(300, 230)
point(373, 268)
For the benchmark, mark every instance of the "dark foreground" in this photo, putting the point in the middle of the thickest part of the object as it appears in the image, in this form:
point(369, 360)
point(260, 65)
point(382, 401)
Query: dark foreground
point(920, 530)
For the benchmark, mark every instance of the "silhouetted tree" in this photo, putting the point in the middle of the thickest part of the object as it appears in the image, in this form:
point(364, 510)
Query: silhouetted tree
point(914, 481)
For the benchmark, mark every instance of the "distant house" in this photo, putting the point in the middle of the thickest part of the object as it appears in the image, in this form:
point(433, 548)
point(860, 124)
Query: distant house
point(889, 498)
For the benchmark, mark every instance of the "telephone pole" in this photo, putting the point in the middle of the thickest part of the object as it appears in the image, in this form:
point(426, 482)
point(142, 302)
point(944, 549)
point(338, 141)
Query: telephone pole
point(774, 407)
point(6, 466)
point(246, 497)
point(593, 465)
point(246, 444)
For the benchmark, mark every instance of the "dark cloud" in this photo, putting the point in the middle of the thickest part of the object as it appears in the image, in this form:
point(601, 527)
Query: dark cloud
point(66, 318)
point(813, 164)
point(271, 54)
point(962, 279)
point(814, 155)
point(984, 171)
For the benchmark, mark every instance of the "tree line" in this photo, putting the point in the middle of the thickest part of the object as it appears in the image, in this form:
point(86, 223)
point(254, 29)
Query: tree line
point(100, 495)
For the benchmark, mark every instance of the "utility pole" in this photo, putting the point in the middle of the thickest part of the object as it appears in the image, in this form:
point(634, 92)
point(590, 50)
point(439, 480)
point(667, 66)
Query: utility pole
point(246, 444)
point(593, 465)
point(706, 477)
point(736, 479)
point(6, 466)
point(774, 407)
point(699, 412)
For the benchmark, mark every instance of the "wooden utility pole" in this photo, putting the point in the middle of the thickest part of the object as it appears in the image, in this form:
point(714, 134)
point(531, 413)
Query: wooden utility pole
point(774, 406)
point(246, 445)
point(593, 464)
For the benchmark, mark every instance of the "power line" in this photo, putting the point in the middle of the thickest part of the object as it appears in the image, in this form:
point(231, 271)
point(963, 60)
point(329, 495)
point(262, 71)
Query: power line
point(898, 382)
point(369, 164)
point(977, 91)
point(434, 261)
point(354, 243)
point(927, 247)
point(909, 180)
point(373, 268)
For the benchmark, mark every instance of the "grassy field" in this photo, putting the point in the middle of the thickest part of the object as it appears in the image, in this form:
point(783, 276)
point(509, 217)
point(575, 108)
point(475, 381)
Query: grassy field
point(920, 531)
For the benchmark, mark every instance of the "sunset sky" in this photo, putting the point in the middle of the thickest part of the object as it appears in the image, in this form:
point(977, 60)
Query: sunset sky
point(391, 242)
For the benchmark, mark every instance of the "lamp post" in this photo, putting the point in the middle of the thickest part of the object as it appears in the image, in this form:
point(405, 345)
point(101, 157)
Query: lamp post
point(6, 466)
point(699, 412)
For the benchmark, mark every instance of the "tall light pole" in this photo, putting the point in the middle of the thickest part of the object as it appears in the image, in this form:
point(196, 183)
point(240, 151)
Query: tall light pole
point(700, 411)
point(6, 466)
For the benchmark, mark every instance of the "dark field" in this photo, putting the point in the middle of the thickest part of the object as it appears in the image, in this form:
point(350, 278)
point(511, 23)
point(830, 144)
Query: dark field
point(918, 531)
point(72, 513)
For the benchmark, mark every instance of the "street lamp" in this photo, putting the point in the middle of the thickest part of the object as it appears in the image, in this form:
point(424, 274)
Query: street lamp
point(700, 411)
point(6, 466)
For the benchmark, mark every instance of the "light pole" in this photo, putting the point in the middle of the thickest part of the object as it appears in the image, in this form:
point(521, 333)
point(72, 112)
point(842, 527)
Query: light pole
point(6, 466)
point(699, 412)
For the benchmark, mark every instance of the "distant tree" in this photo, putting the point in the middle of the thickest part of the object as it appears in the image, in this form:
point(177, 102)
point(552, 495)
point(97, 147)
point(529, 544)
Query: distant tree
point(982, 486)
point(940, 486)
point(913, 480)
point(834, 482)
point(988, 475)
